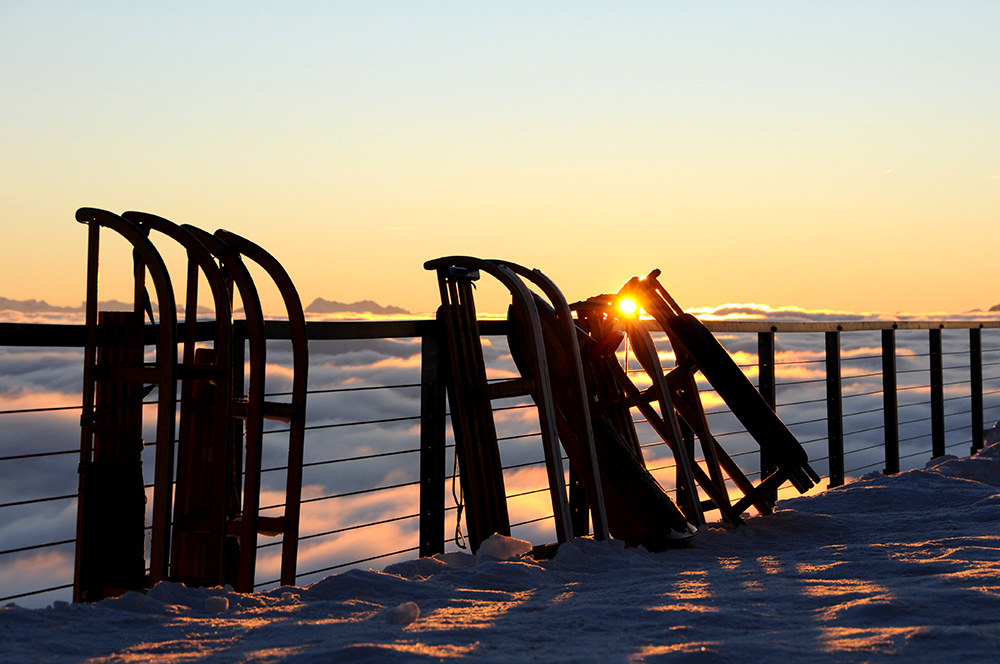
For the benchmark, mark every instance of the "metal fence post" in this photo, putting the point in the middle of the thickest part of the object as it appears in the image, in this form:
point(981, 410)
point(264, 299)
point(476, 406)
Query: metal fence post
point(766, 387)
point(890, 401)
point(834, 408)
point(976, 386)
point(432, 445)
point(937, 395)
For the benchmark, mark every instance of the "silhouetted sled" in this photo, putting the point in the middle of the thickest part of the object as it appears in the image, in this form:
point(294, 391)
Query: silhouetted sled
point(253, 408)
point(639, 511)
point(117, 377)
point(664, 406)
point(696, 349)
point(206, 456)
point(471, 396)
point(205, 507)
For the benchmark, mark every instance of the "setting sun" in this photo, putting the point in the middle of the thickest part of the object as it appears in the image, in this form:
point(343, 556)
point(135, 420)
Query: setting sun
point(628, 306)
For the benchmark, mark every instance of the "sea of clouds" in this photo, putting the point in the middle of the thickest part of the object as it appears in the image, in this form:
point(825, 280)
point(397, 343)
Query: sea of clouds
point(345, 423)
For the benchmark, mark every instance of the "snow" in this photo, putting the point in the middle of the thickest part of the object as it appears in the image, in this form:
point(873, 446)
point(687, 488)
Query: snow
point(901, 568)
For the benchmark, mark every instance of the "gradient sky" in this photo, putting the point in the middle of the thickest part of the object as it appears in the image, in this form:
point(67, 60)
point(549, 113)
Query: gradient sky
point(841, 155)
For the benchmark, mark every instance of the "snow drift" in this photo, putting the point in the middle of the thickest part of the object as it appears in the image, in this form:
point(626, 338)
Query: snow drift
point(904, 567)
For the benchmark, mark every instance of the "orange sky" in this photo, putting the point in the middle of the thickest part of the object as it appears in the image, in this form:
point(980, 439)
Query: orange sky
point(843, 157)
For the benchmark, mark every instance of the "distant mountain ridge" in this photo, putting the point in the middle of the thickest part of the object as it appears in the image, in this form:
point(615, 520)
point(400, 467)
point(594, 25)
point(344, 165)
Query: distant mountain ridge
point(321, 306)
point(318, 306)
point(41, 306)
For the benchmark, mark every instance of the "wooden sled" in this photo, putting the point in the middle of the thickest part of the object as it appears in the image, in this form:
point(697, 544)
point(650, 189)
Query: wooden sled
point(111, 507)
point(206, 482)
point(471, 397)
point(250, 406)
point(639, 511)
point(696, 349)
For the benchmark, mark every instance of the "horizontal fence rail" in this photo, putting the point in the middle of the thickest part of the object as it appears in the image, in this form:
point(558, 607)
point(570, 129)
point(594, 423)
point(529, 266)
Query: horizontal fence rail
point(861, 396)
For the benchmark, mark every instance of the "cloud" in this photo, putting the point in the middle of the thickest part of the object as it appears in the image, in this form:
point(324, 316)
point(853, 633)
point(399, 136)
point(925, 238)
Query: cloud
point(47, 568)
point(388, 370)
point(24, 371)
point(763, 312)
point(751, 311)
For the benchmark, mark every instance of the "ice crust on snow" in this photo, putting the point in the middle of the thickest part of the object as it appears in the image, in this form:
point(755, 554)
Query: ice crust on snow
point(900, 568)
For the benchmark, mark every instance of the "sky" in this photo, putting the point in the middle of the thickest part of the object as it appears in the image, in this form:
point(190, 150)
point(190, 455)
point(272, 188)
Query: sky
point(826, 155)
point(886, 569)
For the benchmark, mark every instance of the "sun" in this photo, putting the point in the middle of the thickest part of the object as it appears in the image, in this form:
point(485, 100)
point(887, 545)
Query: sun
point(628, 306)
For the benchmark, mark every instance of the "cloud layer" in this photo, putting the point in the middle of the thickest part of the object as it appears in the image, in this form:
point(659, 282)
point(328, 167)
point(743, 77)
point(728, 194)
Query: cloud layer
point(363, 414)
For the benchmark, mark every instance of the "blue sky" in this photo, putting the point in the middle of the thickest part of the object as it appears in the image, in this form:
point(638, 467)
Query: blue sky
point(828, 155)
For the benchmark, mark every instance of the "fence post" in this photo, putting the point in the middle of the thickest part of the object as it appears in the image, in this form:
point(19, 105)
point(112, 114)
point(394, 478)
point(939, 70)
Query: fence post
point(890, 401)
point(937, 395)
point(976, 386)
point(238, 361)
point(432, 444)
point(766, 387)
point(834, 408)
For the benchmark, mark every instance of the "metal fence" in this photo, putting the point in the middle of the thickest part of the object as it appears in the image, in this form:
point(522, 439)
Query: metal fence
point(861, 397)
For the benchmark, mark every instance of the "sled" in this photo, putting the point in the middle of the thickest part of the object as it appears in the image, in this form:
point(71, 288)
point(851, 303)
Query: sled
point(206, 482)
point(569, 395)
point(250, 405)
point(111, 506)
point(471, 399)
point(696, 349)
point(291, 412)
point(611, 396)
point(614, 396)
point(638, 510)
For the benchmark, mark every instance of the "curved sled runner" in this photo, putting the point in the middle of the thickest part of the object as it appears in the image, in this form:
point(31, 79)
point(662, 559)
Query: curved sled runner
point(253, 408)
point(207, 456)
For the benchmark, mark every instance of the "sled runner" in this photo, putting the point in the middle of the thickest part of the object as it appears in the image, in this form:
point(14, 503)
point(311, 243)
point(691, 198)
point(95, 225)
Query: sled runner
point(569, 394)
point(206, 482)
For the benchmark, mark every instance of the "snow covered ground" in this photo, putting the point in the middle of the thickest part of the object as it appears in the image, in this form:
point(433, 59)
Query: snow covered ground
point(903, 568)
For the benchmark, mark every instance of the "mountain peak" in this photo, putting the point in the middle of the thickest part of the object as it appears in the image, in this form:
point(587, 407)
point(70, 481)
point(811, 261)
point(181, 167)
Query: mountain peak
point(321, 306)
